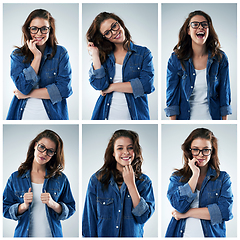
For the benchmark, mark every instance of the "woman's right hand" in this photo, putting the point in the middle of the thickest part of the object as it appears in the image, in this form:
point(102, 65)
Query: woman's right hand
point(92, 50)
point(192, 163)
point(33, 48)
point(28, 197)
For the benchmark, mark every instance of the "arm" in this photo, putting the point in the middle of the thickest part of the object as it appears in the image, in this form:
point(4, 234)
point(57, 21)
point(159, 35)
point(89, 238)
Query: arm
point(224, 88)
point(40, 93)
point(124, 87)
point(89, 219)
point(173, 90)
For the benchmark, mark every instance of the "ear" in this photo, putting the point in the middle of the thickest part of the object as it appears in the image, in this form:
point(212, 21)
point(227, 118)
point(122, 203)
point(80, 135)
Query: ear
point(113, 154)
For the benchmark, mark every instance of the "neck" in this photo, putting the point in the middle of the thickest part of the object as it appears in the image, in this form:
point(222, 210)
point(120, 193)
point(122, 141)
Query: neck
point(42, 48)
point(37, 167)
point(119, 47)
point(203, 170)
point(199, 50)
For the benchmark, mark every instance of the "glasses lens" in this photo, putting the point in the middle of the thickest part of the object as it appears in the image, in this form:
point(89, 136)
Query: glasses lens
point(195, 152)
point(44, 30)
point(50, 152)
point(206, 152)
point(204, 24)
point(41, 148)
point(194, 24)
point(107, 34)
point(115, 26)
point(33, 30)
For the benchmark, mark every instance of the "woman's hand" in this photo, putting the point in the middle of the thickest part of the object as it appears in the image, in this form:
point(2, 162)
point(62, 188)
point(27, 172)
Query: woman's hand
point(177, 215)
point(193, 166)
point(47, 199)
point(128, 175)
point(108, 90)
point(33, 48)
point(92, 50)
point(19, 95)
point(27, 198)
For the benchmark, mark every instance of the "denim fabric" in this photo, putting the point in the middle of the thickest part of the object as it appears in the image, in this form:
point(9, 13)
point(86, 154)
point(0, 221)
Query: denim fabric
point(138, 70)
point(180, 84)
point(60, 191)
point(54, 74)
point(215, 195)
point(110, 213)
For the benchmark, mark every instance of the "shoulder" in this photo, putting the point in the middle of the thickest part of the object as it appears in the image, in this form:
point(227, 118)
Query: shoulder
point(140, 49)
point(61, 177)
point(16, 53)
point(224, 175)
point(145, 179)
point(61, 49)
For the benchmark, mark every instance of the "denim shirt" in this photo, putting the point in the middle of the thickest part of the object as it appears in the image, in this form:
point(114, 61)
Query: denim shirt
point(60, 191)
point(180, 84)
point(54, 74)
point(138, 70)
point(110, 213)
point(215, 195)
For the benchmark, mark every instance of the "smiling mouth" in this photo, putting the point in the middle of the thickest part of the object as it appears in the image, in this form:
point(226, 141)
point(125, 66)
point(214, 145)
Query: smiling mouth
point(126, 158)
point(39, 39)
point(200, 34)
point(118, 35)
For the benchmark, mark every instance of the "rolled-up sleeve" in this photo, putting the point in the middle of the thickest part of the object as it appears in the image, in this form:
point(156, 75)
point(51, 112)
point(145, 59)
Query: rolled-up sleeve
point(98, 78)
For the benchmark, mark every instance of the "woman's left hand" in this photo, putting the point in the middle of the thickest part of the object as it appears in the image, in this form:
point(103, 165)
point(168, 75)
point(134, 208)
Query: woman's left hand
point(177, 215)
point(47, 199)
point(108, 90)
point(128, 175)
point(19, 95)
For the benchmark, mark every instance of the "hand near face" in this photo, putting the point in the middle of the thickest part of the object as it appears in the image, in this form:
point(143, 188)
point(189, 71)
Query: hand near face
point(128, 175)
point(92, 50)
point(28, 198)
point(19, 95)
point(193, 165)
point(33, 48)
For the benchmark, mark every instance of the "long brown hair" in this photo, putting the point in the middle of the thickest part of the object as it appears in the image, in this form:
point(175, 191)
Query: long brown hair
point(109, 166)
point(94, 35)
point(184, 50)
point(214, 163)
point(56, 163)
point(52, 40)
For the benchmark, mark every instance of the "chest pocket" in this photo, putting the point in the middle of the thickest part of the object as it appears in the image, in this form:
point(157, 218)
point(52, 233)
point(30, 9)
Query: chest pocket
point(49, 71)
point(104, 208)
point(214, 191)
point(55, 193)
point(20, 195)
point(128, 207)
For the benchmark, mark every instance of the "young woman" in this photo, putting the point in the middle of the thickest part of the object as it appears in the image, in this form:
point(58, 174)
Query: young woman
point(121, 70)
point(198, 86)
point(200, 193)
point(41, 72)
point(38, 195)
point(119, 198)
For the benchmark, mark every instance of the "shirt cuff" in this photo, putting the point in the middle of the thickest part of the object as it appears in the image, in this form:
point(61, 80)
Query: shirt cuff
point(30, 74)
point(225, 110)
point(65, 211)
point(98, 73)
point(141, 208)
point(137, 87)
point(215, 214)
point(172, 110)
point(54, 93)
point(13, 212)
point(186, 190)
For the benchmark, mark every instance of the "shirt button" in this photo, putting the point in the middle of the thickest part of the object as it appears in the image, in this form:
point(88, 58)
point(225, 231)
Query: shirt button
point(181, 231)
point(119, 210)
point(188, 110)
point(21, 109)
point(54, 73)
point(138, 68)
point(116, 226)
point(191, 86)
point(194, 74)
point(128, 195)
point(216, 194)
point(103, 203)
point(110, 77)
point(108, 104)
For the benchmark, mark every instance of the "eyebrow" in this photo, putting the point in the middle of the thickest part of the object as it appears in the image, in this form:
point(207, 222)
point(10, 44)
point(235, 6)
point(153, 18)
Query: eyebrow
point(198, 147)
point(127, 145)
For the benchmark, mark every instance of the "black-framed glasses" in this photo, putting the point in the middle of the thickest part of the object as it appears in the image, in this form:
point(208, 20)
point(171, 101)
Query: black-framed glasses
point(43, 30)
point(196, 25)
point(41, 148)
point(115, 27)
point(196, 151)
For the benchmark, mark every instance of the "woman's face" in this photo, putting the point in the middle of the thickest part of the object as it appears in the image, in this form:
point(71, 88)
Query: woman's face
point(199, 34)
point(44, 150)
point(108, 26)
point(39, 37)
point(200, 144)
point(123, 152)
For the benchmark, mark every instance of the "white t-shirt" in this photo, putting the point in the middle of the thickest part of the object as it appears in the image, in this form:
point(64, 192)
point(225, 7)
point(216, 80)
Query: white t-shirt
point(34, 110)
point(198, 99)
point(193, 226)
point(119, 108)
point(39, 226)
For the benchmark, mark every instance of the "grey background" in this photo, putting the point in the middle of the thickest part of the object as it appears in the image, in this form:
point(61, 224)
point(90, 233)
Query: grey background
point(16, 140)
point(224, 17)
point(171, 154)
point(94, 143)
point(142, 22)
point(67, 32)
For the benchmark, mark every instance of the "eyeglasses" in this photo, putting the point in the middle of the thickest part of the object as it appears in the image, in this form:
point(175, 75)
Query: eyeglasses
point(195, 25)
point(196, 152)
point(43, 30)
point(115, 27)
point(41, 148)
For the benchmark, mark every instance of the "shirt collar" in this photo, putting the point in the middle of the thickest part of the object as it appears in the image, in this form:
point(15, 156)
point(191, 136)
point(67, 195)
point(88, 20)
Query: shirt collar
point(211, 172)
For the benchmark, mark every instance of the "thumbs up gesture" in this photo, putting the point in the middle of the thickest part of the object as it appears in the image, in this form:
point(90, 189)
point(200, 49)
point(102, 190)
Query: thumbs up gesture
point(28, 197)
